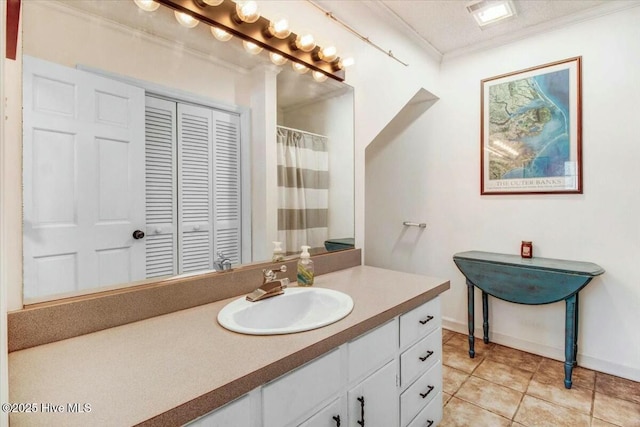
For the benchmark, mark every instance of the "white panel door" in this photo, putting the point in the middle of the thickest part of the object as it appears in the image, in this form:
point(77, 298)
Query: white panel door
point(83, 180)
point(195, 193)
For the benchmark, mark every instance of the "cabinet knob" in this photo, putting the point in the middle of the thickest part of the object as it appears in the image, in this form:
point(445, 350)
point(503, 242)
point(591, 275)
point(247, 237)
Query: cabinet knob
point(427, 320)
point(138, 234)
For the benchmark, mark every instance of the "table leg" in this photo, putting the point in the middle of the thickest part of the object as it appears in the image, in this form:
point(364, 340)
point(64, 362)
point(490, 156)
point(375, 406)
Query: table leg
point(575, 335)
point(570, 339)
point(485, 317)
point(470, 314)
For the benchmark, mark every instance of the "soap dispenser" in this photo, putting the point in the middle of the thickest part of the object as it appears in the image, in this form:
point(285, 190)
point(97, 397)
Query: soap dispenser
point(278, 253)
point(305, 268)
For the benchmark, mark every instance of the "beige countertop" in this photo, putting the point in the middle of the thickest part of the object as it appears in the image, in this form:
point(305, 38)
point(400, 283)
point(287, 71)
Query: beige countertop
point(172, 368)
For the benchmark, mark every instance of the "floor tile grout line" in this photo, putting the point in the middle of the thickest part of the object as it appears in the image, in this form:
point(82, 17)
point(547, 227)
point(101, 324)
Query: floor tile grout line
point(479, 407)
point(541, 361)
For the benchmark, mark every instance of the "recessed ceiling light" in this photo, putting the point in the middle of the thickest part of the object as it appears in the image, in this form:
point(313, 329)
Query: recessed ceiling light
point(488, 12)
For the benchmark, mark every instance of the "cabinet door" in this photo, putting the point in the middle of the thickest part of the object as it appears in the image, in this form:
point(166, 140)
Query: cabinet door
point(332, 415)
point(236, 414)
point(287, 399)
point(375, 400)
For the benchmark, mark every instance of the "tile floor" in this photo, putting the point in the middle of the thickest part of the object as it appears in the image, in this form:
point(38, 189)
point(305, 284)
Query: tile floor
point(502, 386)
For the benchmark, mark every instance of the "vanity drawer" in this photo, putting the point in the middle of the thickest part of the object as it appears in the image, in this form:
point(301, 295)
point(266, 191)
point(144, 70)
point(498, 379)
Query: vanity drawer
point(419, 322)
point(289, 397)
point(371, 350)
point(429, 416)
point(416, 397)
point(420, 357)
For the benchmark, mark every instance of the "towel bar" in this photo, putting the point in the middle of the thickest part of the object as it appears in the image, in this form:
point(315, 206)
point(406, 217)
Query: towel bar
point(415, 224)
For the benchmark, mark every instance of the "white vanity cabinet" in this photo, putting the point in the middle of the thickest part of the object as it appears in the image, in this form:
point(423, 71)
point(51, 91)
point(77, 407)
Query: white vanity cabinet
point(390, 376)
point(421, 365)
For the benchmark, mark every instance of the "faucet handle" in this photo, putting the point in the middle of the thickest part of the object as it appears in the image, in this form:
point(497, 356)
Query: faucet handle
point(270, 275)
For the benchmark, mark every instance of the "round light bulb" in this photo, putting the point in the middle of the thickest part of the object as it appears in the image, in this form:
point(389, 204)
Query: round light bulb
point(252, 48)
point(279, 28)
point(329, 53)
point(346, 62)
point(221, 34)
point(213, 2)
point(277, 59)
point(318, 76)
point(186, 20)
point(305, 42)
point(247, 11)
point(147, 5)
point(299, 68)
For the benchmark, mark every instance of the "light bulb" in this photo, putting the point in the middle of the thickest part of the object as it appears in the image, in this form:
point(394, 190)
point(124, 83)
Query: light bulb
point(347, 62)
point(305, 42)
point(318, 76)
point(252, 48)
point(247, 11)
point(186, 20)
point(299, 68)
point(213, 2)
point(328, 53)
point(277, 59)
point(147, 5)
point(221, 34)
point(279, 28)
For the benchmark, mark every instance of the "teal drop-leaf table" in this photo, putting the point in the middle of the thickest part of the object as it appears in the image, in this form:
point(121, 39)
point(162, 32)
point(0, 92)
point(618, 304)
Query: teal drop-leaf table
point(527, 281)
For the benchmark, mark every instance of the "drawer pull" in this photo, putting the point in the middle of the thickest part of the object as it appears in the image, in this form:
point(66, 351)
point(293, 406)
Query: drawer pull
point(427, 320)
point(337, 420)
point(361, 421)
point(429, 423)
point(428, 355)
point(423, 395)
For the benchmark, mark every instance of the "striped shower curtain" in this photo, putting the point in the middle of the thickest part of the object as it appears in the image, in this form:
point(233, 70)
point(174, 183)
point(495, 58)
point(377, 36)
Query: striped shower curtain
point(303, 189)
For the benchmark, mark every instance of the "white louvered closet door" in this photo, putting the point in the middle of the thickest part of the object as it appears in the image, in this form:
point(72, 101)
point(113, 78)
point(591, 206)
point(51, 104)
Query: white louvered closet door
point(161, 194)
point(192, 187)
point(195, 198)
point(227, 202)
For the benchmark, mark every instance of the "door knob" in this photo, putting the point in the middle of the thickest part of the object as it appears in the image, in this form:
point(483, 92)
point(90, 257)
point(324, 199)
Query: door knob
point(138, 234)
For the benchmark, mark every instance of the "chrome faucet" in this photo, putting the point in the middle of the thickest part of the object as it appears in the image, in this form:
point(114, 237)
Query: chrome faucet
point(222, 263)
point(271, 286)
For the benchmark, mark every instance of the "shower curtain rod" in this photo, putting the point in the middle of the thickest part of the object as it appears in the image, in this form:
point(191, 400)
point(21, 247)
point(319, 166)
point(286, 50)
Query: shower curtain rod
point(303, 131)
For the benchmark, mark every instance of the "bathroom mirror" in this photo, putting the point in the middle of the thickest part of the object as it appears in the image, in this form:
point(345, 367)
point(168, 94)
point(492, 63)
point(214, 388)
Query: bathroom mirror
point(149, 148)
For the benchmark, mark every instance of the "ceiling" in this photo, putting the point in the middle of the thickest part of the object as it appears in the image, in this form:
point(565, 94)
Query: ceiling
point(445, 27)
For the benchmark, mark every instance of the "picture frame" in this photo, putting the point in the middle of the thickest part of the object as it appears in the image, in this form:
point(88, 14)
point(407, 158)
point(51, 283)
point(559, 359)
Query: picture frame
point(531, 130)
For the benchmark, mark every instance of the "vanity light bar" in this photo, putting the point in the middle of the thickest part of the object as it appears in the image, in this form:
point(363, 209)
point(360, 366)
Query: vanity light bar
point(225, 16)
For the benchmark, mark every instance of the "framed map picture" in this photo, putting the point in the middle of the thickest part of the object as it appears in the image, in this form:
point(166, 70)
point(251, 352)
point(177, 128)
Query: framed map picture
point(531, 130)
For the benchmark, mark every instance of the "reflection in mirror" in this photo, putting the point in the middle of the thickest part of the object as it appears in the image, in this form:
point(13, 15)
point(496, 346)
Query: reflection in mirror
point(140, 139)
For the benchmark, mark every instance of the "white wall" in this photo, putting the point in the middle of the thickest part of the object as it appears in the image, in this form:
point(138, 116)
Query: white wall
point(431, 172)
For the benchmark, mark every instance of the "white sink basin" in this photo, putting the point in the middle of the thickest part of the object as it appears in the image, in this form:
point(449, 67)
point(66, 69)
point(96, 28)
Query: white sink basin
point(299, 309)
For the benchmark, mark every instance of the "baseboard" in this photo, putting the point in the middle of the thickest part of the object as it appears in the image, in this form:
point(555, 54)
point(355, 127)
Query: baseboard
point(589, 362)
